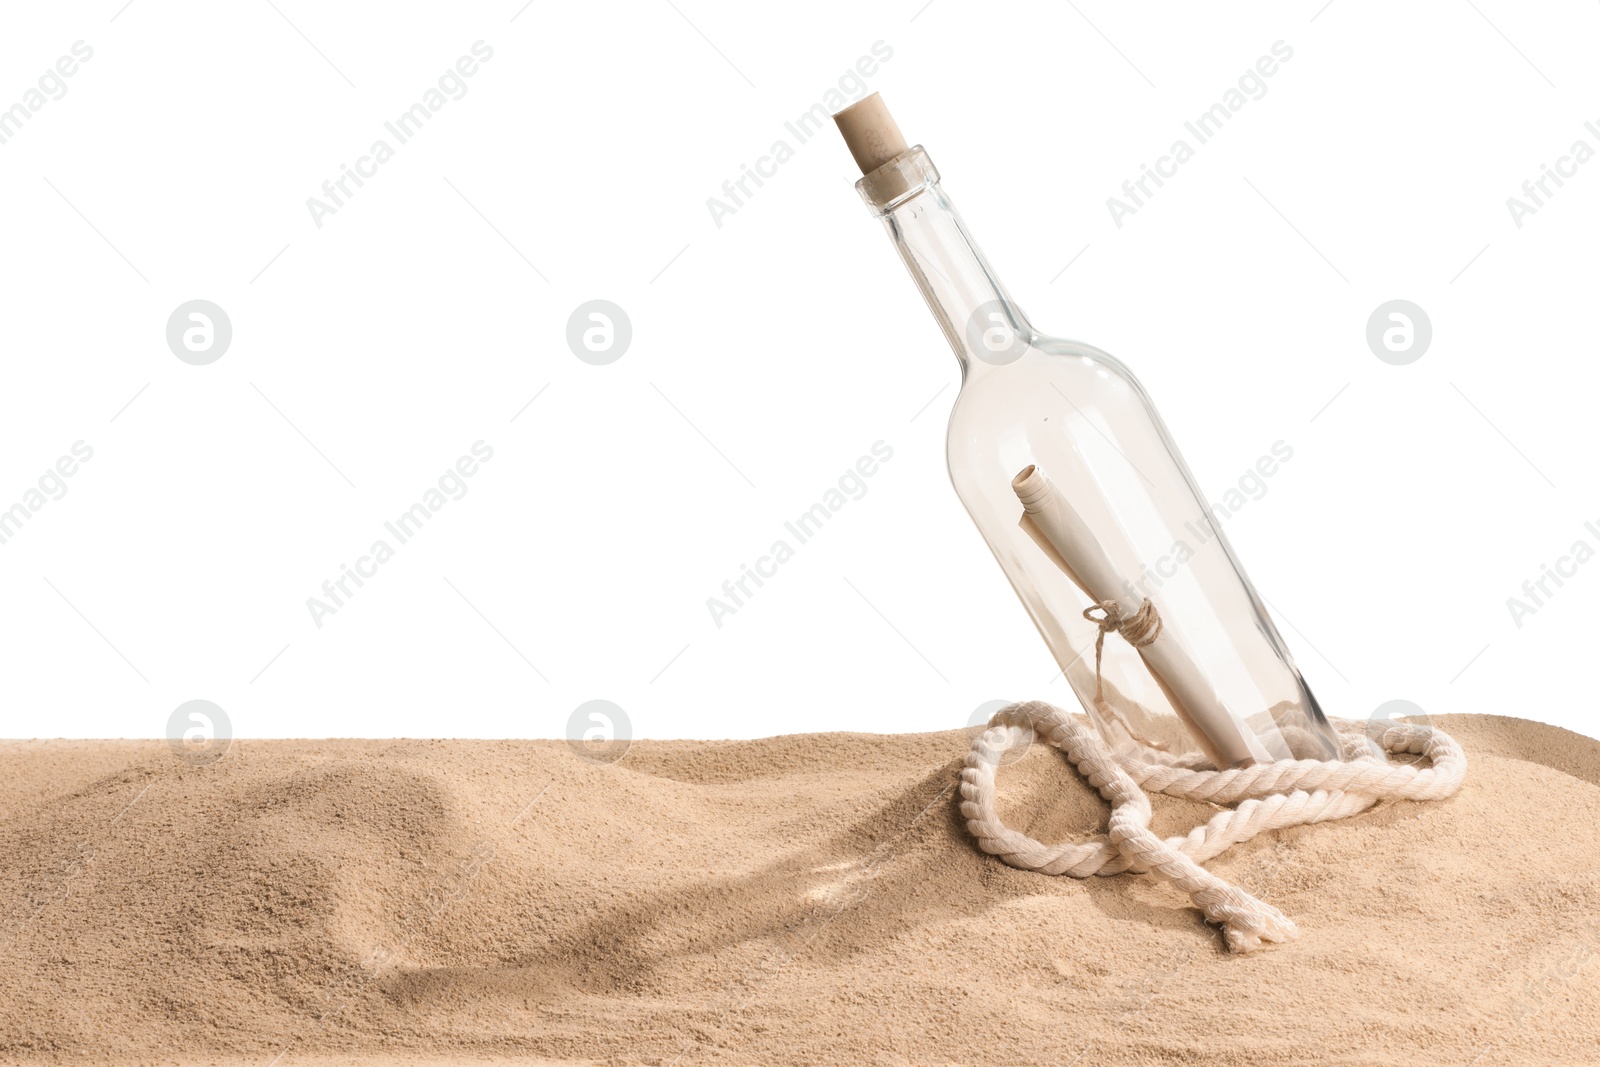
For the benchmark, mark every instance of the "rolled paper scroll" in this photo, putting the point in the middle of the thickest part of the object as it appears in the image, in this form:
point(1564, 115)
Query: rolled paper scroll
point(1225, 741)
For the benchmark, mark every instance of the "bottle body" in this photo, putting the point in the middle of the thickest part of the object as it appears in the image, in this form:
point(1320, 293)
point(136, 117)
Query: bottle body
point(1077, 413)
point(1076, 486)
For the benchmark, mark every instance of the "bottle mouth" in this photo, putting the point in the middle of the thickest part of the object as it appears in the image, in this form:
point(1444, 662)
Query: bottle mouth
point(903, 177)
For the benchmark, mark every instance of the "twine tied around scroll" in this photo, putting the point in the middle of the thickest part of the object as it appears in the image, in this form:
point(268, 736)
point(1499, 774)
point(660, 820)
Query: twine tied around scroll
point(1138, 629)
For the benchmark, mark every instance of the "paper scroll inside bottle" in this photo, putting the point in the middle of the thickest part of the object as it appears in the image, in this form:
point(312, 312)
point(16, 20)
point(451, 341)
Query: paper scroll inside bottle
point(1223, 739)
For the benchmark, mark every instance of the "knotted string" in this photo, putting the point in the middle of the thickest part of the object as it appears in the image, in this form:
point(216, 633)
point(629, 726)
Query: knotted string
point(1138, 629)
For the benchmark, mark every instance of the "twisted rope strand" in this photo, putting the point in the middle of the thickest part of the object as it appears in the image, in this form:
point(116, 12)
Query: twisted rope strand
point(1273, 796)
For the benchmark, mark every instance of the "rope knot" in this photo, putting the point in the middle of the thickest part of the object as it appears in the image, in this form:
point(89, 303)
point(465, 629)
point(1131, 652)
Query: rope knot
point(1138, 629)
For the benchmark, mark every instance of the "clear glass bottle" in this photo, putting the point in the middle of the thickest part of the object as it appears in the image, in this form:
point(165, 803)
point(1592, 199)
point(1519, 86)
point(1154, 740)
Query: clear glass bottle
point(1033, 406)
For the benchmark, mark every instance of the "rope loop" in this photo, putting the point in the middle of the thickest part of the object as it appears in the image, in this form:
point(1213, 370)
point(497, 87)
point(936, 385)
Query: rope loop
point(1274, 795)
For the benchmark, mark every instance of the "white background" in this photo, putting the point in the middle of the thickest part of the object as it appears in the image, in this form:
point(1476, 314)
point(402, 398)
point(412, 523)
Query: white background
point(767, 353)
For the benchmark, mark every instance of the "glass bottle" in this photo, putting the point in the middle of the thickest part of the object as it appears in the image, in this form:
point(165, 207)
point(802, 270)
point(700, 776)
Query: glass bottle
point(1063, 434)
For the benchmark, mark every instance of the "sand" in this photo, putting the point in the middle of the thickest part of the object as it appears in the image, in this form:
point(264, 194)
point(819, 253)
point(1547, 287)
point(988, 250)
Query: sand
point(810, 899)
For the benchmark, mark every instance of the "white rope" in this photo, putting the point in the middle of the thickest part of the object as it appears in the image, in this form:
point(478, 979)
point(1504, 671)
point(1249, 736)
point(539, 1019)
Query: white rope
point(1317, 791)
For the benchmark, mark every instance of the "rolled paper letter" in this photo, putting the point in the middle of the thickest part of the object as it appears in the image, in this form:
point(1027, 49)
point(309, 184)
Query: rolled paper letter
point(1223, 738)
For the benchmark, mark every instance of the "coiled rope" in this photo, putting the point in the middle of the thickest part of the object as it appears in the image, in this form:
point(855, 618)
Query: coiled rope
point(1274, 795)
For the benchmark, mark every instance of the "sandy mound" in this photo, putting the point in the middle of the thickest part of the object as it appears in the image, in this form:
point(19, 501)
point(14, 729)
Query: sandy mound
point(792, 900)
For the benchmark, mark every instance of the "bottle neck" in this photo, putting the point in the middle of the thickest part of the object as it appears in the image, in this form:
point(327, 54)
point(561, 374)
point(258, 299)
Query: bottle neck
point(984, 326)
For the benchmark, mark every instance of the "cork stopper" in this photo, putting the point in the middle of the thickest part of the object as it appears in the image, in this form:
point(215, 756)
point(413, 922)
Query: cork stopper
point(870, 133)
